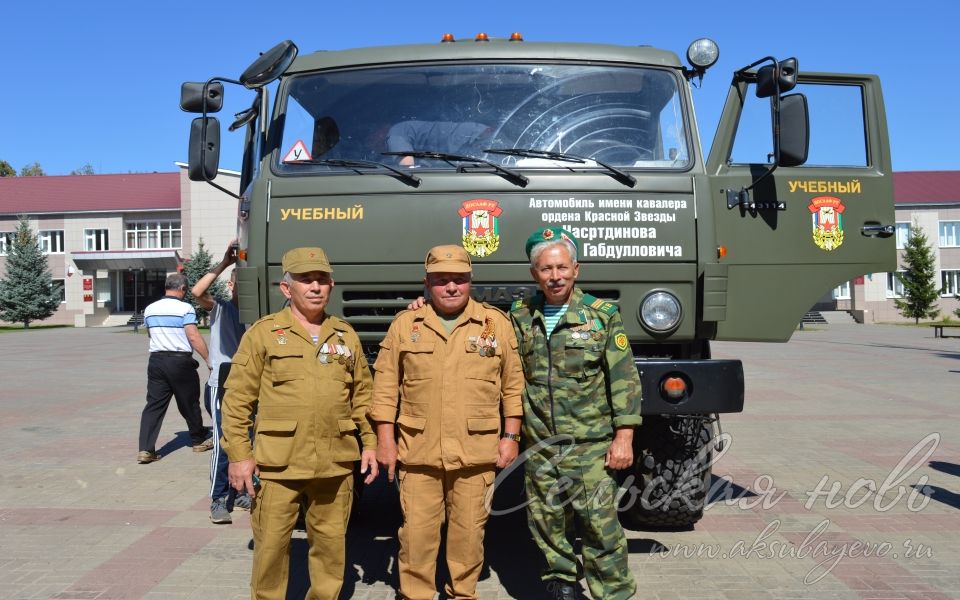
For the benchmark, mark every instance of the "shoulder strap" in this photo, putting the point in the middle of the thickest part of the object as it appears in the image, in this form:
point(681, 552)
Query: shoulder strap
point(600, 305)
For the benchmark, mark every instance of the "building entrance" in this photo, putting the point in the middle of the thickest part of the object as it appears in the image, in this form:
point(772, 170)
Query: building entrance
point(140, 287)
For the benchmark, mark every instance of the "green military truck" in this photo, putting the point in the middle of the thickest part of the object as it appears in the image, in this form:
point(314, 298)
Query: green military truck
point(379, 153)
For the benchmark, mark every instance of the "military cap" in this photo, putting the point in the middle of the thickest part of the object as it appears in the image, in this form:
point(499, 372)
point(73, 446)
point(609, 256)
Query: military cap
point(304, 260)
point(550, 234)
point(447, 259)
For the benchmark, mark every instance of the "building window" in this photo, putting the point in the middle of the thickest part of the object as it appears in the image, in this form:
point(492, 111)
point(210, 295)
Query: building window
point(60, 283)
point(145, 235)
point(96, 239)
point(51, 241)
point(903, 232)
point(949, 234)
point(894, 285)
point(950, 283)
point(6, 242)
point(842, 291)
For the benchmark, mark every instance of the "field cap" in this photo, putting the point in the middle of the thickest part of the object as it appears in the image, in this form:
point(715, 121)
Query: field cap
point(550, 234)
point(304, 260)
point(447, 259)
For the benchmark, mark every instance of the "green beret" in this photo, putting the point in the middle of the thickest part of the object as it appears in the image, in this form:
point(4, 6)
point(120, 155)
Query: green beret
point(550, 234)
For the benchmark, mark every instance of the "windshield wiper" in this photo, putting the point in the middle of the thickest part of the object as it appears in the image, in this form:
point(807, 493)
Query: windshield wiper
point(624, 178)
point(512, 176)
point(358, 166)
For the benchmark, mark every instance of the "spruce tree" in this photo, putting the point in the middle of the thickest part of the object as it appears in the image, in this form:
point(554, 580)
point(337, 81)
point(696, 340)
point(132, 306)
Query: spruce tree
point(27, 290)
point(199, 264)
point(920, 288)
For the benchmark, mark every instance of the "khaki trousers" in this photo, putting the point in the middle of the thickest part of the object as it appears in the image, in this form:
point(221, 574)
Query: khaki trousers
point(428, 497)
point(273, 518)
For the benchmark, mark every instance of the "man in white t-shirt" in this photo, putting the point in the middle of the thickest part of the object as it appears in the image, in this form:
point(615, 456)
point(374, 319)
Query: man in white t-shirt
point(172, 371)
point(225, 333)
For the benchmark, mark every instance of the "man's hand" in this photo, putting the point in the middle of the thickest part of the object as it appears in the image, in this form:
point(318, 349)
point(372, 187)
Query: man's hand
point(417, 304)
point(387, 456)
point(240, 476)
point(507, 452)
point(368, 460)
point(620, 454)
point(199, 290)
point(230, 256)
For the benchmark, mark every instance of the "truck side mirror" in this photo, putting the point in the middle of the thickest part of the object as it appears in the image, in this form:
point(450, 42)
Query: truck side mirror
point(781, 78)
point(270, 66)
point(204, 149)
point(794, 130)
point(192, 96)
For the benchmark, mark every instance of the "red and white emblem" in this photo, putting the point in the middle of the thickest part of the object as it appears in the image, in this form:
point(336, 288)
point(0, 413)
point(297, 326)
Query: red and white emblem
point(827, 215)
point(481, 226)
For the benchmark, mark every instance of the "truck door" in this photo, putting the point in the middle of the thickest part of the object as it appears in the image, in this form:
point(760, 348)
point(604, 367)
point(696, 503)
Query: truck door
point(805, 229)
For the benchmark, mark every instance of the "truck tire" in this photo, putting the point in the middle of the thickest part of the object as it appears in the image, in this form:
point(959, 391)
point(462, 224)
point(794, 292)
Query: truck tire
point(668, 483)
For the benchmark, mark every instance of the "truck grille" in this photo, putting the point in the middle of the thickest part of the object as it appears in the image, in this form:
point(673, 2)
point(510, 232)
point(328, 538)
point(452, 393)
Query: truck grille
point(370, 311)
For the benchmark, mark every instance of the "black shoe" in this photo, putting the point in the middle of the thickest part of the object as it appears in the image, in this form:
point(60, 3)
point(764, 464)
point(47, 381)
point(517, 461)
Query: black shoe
point(558, 589)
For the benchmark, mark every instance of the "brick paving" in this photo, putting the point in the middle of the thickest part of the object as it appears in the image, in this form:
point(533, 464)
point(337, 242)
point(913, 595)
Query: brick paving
point(815, 505)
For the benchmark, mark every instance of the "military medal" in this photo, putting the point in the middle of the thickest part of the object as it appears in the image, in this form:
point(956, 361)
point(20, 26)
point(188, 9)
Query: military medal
point(415, 333)
point(281, 339)
point(487, 342)
point(322, 356)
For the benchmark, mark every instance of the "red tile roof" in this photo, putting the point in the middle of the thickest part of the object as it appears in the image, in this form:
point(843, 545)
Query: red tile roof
point(926, 187)
point(81, 193)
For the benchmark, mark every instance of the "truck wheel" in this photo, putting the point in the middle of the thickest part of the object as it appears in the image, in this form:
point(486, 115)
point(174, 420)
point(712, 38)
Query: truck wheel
point(667, 486)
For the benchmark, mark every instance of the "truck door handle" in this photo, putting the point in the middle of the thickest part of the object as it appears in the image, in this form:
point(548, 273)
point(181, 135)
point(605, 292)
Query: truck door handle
point(877, 230)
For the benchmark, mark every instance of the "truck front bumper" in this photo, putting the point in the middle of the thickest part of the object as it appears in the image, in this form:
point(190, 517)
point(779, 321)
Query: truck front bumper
point(711, 386)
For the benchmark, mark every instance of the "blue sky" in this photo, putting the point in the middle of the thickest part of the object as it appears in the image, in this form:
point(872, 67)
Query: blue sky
point(98, 82)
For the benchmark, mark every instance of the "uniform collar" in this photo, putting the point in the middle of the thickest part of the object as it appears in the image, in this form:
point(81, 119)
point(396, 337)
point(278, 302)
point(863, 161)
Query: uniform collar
point(574, 307)
point(426, 314)
point(284, 320)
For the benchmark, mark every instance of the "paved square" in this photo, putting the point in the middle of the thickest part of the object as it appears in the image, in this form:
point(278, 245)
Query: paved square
point(841, 480)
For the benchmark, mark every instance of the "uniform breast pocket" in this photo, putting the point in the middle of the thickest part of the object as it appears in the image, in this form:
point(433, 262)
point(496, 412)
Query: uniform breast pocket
point(416, 358)
point(482, 362)
point(528, 358)
point(285, 366)
point(582, 360)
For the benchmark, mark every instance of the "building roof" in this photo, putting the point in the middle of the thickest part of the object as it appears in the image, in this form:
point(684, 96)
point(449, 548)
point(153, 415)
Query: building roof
point(89, 193)
point(926, 187)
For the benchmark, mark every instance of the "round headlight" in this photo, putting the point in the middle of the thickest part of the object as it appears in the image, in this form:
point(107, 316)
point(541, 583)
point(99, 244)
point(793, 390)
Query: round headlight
point(703, 53)
point(660, 311)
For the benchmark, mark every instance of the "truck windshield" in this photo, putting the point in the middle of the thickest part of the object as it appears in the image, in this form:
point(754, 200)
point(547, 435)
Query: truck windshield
point(624, 117)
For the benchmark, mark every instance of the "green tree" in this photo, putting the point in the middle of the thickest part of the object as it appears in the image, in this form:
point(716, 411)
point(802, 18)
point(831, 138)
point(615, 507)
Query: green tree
point(200, 263)
point(33, 170)
point(86, 169)
point(27, 290)
point(7, 170)
point(920, 289)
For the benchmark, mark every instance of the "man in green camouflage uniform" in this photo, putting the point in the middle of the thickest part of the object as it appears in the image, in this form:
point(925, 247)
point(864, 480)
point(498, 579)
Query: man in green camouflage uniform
point(581, 403)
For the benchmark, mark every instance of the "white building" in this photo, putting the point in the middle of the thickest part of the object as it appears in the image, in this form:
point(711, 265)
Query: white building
point(930, 200)
point(112, 239)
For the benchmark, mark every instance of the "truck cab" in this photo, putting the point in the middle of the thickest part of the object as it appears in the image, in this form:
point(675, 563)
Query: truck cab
point(377, 154)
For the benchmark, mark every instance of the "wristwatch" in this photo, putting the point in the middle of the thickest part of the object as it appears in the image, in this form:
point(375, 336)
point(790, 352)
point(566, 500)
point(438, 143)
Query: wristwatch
point(506, 435)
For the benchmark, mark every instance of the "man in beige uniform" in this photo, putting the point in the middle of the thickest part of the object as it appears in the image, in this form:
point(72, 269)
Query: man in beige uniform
point(454, 365)
point(313, 384)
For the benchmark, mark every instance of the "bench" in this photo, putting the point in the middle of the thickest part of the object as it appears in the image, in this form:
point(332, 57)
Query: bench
point(939, 327)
